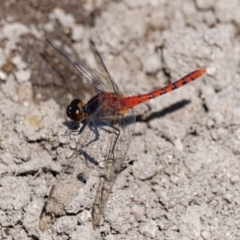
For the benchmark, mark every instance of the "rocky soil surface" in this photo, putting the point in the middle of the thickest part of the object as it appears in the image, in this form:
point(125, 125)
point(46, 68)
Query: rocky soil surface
point(181, 178)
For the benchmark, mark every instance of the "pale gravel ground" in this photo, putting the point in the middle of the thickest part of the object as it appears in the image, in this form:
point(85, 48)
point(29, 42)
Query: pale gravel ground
point(183, 181)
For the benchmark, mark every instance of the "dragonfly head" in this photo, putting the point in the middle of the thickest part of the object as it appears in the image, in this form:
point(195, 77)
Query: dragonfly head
point(75, 111)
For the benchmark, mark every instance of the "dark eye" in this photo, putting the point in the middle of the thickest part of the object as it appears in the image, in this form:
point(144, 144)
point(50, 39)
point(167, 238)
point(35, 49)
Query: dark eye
point(76, 102)
point(75, 111)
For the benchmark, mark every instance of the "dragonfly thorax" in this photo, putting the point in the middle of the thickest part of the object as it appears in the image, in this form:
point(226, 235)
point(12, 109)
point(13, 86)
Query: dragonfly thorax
point(76, 111)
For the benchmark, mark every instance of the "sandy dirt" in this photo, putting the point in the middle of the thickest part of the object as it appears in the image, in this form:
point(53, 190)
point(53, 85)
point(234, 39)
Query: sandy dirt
point(181, 178)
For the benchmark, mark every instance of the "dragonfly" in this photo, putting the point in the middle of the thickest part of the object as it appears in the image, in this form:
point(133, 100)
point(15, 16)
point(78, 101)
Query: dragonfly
point(107, 125)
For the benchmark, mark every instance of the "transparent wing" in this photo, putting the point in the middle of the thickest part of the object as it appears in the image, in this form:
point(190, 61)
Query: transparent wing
point(103, 68)
point(119, 137)
point(73, 176)
point(97, 80)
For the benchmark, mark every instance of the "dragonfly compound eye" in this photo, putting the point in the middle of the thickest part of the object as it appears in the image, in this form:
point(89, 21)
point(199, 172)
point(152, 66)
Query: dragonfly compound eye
point(75, 110)
point(77, 102)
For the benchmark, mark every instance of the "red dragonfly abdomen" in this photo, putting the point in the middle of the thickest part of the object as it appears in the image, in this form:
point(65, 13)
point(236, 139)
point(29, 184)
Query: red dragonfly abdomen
point(129, 102)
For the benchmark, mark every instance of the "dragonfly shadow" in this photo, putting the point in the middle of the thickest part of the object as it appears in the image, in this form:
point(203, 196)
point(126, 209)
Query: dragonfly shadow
point(82, 178)
point(159, 114)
